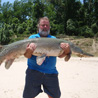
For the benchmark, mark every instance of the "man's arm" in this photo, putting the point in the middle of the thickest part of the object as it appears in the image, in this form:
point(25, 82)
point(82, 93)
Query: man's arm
point(66, 48)
point(29, 50)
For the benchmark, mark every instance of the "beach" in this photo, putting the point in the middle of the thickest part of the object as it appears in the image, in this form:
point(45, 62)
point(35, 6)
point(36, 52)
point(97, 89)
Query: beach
point(78, 78)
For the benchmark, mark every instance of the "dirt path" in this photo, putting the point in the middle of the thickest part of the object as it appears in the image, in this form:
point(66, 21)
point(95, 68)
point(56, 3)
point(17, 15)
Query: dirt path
point(78, 78)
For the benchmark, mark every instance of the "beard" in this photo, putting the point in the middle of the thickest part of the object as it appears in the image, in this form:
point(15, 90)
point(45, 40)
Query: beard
point(44, 33)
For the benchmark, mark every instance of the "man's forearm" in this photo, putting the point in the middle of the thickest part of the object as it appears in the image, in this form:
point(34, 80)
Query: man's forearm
point(28, 53)
point(29, 50)
point(62, 55)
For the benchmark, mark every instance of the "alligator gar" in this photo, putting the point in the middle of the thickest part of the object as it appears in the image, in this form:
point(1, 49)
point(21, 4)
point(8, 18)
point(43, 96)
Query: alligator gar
point(44, 47)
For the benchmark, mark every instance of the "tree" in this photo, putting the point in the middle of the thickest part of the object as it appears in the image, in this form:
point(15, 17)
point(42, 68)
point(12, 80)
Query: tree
point(38, 9)
point(71, 28)
point(6, 12)
point(17, 10)
point(95, 15)
point(5, 34)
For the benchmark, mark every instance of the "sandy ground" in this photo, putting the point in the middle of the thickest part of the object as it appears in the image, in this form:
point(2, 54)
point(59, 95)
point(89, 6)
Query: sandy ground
point(78, 78)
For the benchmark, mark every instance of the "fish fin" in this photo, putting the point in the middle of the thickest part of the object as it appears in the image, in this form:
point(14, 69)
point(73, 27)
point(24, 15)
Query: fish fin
point(68, 56)
point(40, 59)
point(8, 63)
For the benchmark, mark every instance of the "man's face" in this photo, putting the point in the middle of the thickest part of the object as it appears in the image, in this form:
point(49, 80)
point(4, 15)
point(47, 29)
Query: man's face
point(44, 25)
point(44, 28)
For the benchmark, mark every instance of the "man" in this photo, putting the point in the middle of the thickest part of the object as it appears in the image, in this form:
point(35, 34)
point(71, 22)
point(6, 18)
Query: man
point(45, 75)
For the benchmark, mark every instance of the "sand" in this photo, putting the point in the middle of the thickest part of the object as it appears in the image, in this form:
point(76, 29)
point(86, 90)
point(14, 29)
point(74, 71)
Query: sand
point(78, 78)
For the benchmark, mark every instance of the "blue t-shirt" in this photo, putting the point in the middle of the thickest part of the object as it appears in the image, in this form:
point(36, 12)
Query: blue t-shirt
point(48, 66)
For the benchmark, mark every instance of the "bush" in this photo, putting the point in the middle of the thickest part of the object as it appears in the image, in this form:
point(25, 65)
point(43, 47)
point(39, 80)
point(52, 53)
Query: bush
point(71, 29)
point(20, 30)
point(94, 28)
point(86, 32)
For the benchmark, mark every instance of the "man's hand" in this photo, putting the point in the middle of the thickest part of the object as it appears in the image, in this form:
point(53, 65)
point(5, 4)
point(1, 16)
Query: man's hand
point(66, 48)
point(29, 50)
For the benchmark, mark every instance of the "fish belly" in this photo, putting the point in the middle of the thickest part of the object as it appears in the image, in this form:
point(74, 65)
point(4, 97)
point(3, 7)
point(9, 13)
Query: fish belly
point(47, 51)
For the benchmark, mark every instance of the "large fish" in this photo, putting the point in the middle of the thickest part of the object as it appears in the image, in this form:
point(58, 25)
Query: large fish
point(44, 47)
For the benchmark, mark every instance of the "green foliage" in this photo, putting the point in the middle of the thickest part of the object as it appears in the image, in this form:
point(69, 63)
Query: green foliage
point(86, 32)
point(70, 27)
point(94, 28)
point(19, 19)
point(5, 34)
point(20, 29)
point(38, 9)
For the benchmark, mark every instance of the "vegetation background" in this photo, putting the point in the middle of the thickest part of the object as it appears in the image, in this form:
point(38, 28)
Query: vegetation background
point(68, 18)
